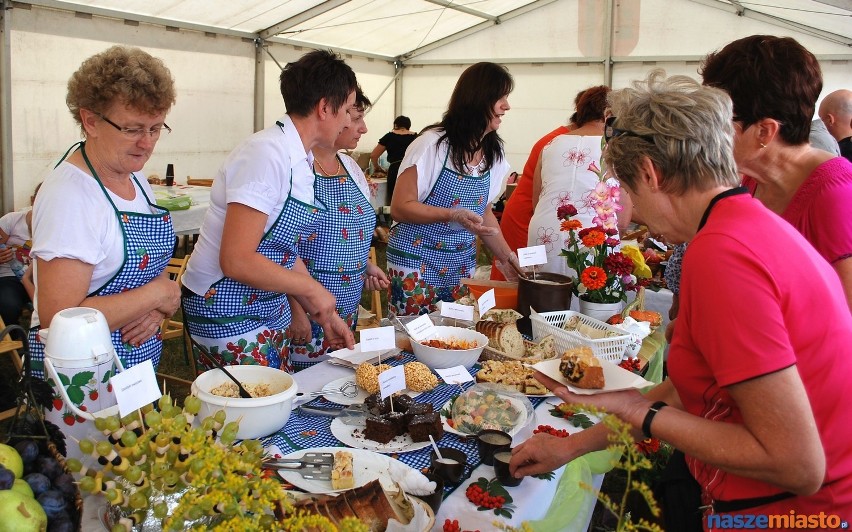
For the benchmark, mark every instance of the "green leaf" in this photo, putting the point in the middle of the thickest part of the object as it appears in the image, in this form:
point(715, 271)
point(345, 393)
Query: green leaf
point(76, 395)
point(82, 378)
point(64, 379)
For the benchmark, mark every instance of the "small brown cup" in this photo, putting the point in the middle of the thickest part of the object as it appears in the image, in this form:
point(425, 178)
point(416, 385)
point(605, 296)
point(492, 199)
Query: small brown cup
point(501, 469)
point(490, 441)
point(450, 467)
point(435, 499)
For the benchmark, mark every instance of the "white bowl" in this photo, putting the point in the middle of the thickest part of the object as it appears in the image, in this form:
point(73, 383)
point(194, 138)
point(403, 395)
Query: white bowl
point(258, 416)
point(437, 358)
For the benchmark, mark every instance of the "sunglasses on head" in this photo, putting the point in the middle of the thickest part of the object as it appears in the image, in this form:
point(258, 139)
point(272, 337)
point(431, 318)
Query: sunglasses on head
point(610, 131)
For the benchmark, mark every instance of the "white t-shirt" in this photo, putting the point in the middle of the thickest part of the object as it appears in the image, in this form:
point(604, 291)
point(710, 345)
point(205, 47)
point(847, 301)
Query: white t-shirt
point(257, 174)
point(14, 224)
point(73, 219)
point(429, 162)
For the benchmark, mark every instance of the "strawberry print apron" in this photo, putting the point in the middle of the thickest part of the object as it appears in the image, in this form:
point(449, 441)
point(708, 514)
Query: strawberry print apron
point(335, 251)
point(239, 324)
point(149, 241)
point(426, 262)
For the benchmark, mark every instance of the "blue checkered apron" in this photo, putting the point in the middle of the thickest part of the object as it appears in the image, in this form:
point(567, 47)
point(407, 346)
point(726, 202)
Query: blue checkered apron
point(240, 324)
point(426, 262)
point(149, 240)
point(335, 251)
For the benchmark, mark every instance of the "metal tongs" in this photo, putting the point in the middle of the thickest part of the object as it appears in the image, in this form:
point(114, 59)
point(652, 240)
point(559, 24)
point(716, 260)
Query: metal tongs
point(351, 415)
point(314, 466)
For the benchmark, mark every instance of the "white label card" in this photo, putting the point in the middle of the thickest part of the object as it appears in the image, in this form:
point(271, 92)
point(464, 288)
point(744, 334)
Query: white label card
point(377, 339)
point(135, 387)
point(391, 381)
point(456, 311)
point(532, 255)
point(455, 375)
point(421, 328)
point(486, 302)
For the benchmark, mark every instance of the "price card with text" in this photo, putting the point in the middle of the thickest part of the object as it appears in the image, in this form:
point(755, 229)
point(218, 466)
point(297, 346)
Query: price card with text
point(456, 311)
point(455, 375)
point(532, 255)
point(391, 381)
point(377, 339)
point(135, 387)
point(486, 302)
point(421, 328)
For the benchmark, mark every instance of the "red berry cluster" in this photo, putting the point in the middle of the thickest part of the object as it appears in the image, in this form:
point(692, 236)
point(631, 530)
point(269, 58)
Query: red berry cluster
point(630, 364)
point(481, 498)
point(453, 526)
point(547, 429)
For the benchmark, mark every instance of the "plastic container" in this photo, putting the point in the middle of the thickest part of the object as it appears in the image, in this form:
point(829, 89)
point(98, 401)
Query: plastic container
point(547, 292)
point(610, 349)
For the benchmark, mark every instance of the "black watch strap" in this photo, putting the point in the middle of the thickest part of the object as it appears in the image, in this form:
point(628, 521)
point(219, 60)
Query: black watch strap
point(649, 417)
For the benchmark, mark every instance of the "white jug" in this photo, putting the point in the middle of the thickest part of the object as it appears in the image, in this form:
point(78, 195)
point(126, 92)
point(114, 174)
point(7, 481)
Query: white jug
point(80, 359)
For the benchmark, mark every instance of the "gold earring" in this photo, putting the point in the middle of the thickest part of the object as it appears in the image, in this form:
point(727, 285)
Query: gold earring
point(762, 145)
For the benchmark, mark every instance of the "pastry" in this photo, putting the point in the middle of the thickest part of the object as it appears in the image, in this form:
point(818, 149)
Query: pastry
point(342, 475)
point(582, 369)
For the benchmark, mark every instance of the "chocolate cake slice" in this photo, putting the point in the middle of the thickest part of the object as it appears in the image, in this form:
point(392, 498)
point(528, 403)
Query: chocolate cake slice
point(421, 426)
point(399, 422)
point(379, 429)
point(417, 409)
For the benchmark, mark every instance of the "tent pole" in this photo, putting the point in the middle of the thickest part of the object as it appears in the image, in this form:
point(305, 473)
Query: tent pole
point(259, 83)
point(609, 24)
point(7, 191)
point(397, 93)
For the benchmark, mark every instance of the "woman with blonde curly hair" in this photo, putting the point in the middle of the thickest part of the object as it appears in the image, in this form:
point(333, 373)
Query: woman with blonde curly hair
point(99, 240)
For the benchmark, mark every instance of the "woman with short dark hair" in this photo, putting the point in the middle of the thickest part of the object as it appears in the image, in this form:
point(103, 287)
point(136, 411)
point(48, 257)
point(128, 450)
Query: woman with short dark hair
point(395, 143)
point(774, 83)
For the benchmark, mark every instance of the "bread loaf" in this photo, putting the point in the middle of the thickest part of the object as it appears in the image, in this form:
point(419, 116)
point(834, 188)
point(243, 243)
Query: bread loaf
point(503, 337)
point(582, 369)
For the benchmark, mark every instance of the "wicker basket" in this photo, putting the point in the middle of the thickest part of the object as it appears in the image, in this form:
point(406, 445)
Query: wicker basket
point(610, 349)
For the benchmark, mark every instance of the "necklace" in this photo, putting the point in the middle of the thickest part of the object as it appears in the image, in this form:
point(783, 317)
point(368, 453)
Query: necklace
point(471, 166)
point(339, 167)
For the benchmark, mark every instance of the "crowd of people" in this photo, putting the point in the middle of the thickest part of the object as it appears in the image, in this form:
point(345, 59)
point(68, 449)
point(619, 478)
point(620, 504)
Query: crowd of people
point(725, 165)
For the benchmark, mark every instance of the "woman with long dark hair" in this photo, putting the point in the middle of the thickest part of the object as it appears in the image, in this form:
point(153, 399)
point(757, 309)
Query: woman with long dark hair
point(442, 201)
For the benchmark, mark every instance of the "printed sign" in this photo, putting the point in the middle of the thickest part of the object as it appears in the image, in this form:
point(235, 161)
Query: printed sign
point(532, 255)
point(456, 311)
point(454, 375)
point(486, 302)
point(135, 387)
point(391, 381)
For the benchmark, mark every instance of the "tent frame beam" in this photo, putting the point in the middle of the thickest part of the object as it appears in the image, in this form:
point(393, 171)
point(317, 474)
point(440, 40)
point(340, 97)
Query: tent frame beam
point(466, 10)
point(7, 190)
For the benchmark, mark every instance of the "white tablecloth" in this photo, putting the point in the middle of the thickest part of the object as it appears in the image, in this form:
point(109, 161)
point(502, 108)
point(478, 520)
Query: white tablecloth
point(187, 221)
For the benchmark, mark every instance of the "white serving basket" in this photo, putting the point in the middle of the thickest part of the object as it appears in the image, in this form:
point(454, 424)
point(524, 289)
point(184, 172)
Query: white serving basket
point(610, 348)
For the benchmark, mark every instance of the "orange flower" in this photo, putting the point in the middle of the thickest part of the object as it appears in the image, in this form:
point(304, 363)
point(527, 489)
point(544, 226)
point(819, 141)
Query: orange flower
point(593, 238)
point(593, 278)
point(570, 225)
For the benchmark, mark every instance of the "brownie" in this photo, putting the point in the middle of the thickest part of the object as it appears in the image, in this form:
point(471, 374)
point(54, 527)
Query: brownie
point(398, 420)
point(375, 405)
point(423, 425)
point(379, 429)
point(417, 409)
point(402, 403)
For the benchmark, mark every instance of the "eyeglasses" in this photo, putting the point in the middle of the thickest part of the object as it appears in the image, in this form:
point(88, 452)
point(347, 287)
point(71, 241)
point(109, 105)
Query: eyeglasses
point(610, 132)
point(137, 133)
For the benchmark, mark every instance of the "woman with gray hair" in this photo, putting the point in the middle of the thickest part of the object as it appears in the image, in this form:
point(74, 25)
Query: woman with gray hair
point(761, 355)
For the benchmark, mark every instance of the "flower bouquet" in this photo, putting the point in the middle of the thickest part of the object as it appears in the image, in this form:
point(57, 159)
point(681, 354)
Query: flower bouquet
point(604, 274)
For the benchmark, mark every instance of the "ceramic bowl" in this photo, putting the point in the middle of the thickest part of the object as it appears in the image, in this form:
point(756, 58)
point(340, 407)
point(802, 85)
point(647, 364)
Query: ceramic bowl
point(437, 358)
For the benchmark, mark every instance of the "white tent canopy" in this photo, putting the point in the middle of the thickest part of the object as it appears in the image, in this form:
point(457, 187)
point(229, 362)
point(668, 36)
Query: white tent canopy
point(226, 56)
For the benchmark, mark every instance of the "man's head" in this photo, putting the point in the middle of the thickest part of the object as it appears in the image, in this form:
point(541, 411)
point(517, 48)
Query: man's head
point(836, 112)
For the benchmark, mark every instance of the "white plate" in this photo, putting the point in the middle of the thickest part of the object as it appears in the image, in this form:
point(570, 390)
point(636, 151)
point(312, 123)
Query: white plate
point(615, 377)
point(366, 466)
point(353, 436)
point(359, 398)
point(518, 426)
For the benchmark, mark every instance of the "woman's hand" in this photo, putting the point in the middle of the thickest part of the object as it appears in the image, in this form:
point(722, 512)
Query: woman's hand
point(168, 292)
point(472, 222)
point(337, 333)
point(509, 266)
point(6, 255)
point(299, 331)
point(142, 329)
point(376, 279)
point(542, 453)
point(322, 307)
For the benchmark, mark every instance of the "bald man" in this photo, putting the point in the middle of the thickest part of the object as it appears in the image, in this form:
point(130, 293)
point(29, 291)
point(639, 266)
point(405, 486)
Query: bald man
point(836, 112)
